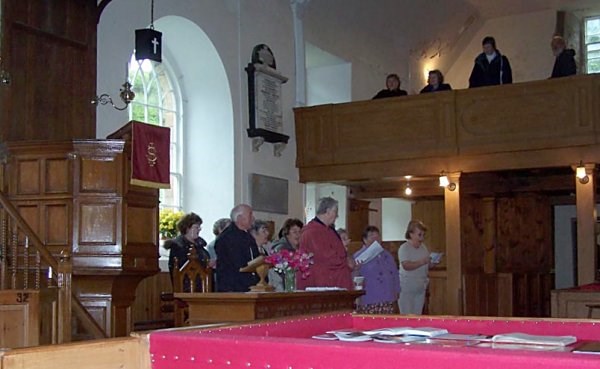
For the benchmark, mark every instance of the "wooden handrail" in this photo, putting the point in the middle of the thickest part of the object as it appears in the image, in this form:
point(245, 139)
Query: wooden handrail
point(88, 322)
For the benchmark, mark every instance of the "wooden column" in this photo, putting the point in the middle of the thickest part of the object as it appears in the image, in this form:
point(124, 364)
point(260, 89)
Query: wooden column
point(586, 224)
point(453, 245)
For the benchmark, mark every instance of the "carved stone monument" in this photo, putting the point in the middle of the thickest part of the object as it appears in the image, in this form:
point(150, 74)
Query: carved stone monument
point(264, 100)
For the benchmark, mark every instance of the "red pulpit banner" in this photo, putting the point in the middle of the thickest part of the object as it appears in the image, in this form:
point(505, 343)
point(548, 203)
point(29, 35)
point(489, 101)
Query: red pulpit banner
point(150, 155)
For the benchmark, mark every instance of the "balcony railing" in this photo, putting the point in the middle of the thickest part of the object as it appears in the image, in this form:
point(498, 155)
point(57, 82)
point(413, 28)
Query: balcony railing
point(537, 124)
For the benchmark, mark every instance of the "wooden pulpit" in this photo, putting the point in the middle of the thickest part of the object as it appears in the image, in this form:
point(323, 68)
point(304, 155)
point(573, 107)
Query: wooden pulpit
point(76, 196)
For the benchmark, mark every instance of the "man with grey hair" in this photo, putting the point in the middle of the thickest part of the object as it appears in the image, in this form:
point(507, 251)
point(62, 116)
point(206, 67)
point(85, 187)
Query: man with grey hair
point(332, 267)
point(235, 247)
point(564, 64)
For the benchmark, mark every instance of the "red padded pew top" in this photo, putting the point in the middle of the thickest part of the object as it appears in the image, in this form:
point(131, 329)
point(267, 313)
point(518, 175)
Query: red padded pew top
point(287, 344)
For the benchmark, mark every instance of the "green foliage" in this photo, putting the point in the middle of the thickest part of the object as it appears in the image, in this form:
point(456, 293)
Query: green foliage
point(167, 225)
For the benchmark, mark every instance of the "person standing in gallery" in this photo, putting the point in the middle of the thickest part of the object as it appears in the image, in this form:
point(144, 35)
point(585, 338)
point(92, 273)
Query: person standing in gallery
point(392, 84)
point(491, 67)
point(564, 64)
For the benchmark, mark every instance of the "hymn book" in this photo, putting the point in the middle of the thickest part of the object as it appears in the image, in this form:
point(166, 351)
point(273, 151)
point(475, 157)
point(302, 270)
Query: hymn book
point(530, 339)
point(408, 331)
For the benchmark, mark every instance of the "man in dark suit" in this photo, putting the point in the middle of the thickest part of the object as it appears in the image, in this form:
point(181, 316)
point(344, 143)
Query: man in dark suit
point(235, 247)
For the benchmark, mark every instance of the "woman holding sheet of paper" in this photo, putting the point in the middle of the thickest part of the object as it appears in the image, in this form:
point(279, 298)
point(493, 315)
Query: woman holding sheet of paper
point(378, 268)
point(414, 261)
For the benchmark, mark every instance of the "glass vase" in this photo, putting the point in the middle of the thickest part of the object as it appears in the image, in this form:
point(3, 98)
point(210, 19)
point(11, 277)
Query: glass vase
point(289, 280)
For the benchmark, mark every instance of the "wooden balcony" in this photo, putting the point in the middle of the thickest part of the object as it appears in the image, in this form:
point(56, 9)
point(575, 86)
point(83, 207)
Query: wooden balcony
point(510, 151)
point(540, 124)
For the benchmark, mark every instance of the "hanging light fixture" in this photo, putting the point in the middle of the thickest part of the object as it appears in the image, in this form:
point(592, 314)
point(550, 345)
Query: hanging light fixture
point(148, 41)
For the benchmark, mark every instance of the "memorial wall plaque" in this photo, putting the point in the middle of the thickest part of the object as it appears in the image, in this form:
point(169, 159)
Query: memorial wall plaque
point(268, 194)
point(264, 97)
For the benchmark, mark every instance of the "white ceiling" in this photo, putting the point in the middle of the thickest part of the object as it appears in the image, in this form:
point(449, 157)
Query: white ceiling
point(408, 23)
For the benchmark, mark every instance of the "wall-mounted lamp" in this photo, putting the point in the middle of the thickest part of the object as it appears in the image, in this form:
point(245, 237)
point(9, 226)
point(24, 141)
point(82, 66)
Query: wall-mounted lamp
point(581, 174)
point(407, 189)
point(4, 75)
point(445, 182)
point(126, 95)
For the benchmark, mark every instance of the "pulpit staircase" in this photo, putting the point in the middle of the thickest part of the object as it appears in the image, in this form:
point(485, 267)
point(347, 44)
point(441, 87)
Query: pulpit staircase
point(37, 303)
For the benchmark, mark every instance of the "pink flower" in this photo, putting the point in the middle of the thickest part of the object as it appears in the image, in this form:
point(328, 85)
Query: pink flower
point(285, 260)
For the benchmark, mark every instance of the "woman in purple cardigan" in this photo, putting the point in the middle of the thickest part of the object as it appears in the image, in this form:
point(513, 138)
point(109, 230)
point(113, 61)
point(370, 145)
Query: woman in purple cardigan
point(377, 266)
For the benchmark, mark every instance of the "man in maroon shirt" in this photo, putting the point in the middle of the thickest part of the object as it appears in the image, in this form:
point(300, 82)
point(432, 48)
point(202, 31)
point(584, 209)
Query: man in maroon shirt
point(332, 267)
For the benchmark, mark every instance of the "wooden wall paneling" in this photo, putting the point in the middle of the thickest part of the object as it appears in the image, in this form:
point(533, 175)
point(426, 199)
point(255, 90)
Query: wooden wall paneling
point(488, 243)
point(357, 218)
point(315, 135)
point(49, 49)
point(147, 305)
point(472, 233)
point(19, 318)
point(431, 212)
point(392, 121)
point(58, 175)
point(531, 132)
point(437, 292)
point(99, 307)
point(547, 115)
point(48, 316)
point(570, 303)
point(524, 234)
point(506, 294)
point(56, 218)
point(28, 181)
point(122, 353)
point(116, 225)
point(100, 176)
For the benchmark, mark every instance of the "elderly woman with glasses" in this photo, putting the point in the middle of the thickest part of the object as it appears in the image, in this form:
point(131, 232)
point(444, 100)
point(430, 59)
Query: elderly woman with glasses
point(260, 232)
point(189, 227)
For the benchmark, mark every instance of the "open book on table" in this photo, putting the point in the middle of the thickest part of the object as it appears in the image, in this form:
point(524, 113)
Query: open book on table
point(524, 338)
point(408, 331)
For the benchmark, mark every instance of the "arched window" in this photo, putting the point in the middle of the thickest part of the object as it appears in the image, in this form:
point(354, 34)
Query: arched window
point(156, 102)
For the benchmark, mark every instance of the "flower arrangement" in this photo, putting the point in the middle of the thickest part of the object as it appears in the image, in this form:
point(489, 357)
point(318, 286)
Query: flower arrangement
point(286, 261)
point(167, 222)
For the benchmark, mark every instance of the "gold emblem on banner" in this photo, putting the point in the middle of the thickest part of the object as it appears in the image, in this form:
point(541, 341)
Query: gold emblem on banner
point(151, 154)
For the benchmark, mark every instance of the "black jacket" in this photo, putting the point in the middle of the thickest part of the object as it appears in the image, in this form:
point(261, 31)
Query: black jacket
point(389, 93)
point(441, 87)
point(235, 248)
point(179, 247)
point(488, 74)
point(564, 65)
